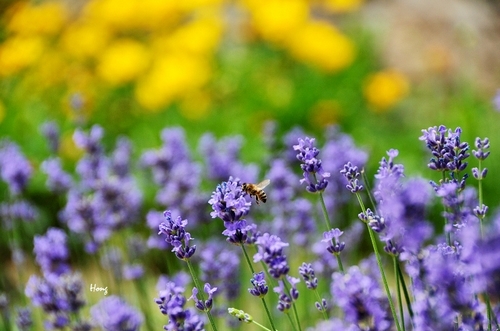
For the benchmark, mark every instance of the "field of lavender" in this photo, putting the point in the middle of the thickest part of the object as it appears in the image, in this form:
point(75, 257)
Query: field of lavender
point(134, 135)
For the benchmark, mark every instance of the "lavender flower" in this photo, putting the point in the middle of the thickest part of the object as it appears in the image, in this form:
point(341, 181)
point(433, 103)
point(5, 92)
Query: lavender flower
point(270, 250)
point(114, 314)
point(307, 272)
point(240, 233)
point(204, 306)
point(361, 299)
point(332, 238)
point(448, 152)
point(286, 298)
point(401, 223)
point(228, 202)
point(351, 173)
point(52, 133)
point(58, 296)
point(58, 180)
point(177, 236)
point(133, 271)
point(24, 320)
point(15, 169)
point(52, 253)
point(260, 287)
point(457, 213)
point(314, 175)
point(171, 302)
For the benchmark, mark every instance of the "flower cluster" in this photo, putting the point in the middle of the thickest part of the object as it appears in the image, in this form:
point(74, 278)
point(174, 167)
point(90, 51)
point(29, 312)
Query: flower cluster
point(314, 175)
point(171, 302)
point(15, 169)
point(270, 250)
point(177, 236)
point(114, 314)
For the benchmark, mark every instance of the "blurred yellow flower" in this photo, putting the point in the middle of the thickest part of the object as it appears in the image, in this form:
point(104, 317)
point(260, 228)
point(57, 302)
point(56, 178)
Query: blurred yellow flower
point(385, 88)
point(322, 45)
point(123, 61)
point(83, 40)
point(170, 77)
point(50, 70)
point(45, 18)
point(199, 36)
point(342, 6)
point(133, 14)
point(17, 53)
point(192, 5)
point(278, 19)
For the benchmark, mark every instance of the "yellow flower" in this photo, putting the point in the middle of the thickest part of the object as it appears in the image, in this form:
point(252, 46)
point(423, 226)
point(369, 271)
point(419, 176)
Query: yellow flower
point(342, 6)
point(170, 77)
point(46, 18)
point(123, 61)
point(69, 150)
point(385, 88)
point(200, 36)
point(17, 53)
point(322, 45)
point(134, 14)
point(278, 19)
point(83, 40)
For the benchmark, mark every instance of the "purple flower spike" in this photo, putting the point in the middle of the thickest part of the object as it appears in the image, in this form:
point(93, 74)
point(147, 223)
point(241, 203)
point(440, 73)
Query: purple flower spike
point(307, 272)
point(270, 250)
point(114, 314)
point(58, 180)
point(51, 252)
point(171, 302)
point(351, 173)
point(260, 287)
point(207, 304)
point(335, 246)
point(228, 202)
point(15, 169)
point(176, 235)
point(314, 175)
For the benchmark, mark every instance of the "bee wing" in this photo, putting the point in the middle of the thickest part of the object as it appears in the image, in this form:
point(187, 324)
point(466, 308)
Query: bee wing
point(263, 184)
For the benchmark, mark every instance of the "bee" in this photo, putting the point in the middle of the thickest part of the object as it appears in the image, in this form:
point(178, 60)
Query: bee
point(256, 190)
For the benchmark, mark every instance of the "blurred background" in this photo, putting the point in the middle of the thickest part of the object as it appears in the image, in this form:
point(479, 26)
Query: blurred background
point(377, 68)
point(380, 70)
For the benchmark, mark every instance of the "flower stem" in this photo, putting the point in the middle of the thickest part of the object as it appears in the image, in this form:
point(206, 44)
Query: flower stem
point(325, 213)
point(398, 288)
point(380, 266)
point(405, 291)
point(294, 307)
point(197, 285)
point(320, 301)
point(263, 301)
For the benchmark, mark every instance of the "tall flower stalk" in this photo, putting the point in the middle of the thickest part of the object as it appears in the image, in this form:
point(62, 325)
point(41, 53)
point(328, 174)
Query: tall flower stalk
point(351, 174)
point(176, 235)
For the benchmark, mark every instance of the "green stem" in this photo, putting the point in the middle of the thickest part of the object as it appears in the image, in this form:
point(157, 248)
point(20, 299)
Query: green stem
point(320, 301)
point(325, 213)
point(448, 234)
point(200, 291)
point(380, 266)
point(368, 190)
point(405, 291)
point(294, 307)
point(262, 326)
point(398, 287)
point(328, 222)
point(263, 301)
